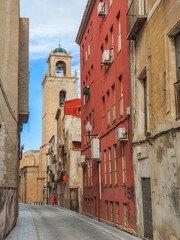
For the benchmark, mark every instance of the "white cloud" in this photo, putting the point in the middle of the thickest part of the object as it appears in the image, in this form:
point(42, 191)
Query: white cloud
point(51, 20)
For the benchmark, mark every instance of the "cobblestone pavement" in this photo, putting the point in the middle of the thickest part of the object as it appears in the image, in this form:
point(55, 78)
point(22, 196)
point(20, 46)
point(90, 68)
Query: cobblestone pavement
point(48, 223)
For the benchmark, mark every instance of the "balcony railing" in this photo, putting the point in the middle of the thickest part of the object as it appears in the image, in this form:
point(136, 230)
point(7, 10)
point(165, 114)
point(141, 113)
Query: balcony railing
point(136, 18)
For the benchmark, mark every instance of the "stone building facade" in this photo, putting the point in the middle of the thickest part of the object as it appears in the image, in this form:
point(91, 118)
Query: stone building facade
point(154, 34)
point(28, 178)
point(14, 84)
point(69, 190)
point(58, 85)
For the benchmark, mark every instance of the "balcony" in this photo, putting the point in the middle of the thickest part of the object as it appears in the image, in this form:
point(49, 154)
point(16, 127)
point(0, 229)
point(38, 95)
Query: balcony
point(136, 18)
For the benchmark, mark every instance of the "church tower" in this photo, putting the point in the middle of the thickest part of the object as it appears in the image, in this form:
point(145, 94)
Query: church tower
point(58, 85)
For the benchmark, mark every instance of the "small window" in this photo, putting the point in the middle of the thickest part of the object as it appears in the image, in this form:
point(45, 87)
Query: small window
point(123, 162)
point(119, 32)
point(117, 212)
point(125, 215)
point(115, 164)
point(107, 214)
point(91, 31)
point(121, 96)
point(62, 97)
point(110, 167)
point(105, 167)
point(112, 212)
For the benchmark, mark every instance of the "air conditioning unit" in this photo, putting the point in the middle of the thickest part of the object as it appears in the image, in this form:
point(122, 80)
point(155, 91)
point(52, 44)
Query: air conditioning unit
point(106, 57)
point(121, 134)
point(95, 149)
point(101, 9)
point(83, 159)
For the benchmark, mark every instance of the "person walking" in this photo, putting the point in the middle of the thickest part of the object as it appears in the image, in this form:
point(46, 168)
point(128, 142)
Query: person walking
point(52, 199)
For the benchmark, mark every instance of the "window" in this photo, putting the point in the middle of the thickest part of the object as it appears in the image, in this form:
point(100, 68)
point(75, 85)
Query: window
point(123, 162)
point(89, 207)
point(119, 30)
point(91, 30)
point(125, 215)
point(62, 97)
point(92, 206)
point(114, 105)
point(106, 40)
point(117, 212)
point(89, 174)
point(83, 54)
point(108, 112)
point(112, 212)
point(177, 84)
point(88, 43)
point(107, 214)
point(112, 47)
point(121, 96)
point(144, 81)
point(86, 48)
point(115, 164)
point(91, 171)
point(111, 2)
point(60, 69)
point(110, 167)
point(143, 101)
point(105, 167)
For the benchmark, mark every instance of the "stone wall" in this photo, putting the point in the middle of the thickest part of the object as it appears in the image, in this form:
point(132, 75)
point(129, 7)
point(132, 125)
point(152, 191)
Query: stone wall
point(8, 214)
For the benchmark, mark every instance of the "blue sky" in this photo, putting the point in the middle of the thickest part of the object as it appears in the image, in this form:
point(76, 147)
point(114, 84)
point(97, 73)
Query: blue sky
point(49, 22)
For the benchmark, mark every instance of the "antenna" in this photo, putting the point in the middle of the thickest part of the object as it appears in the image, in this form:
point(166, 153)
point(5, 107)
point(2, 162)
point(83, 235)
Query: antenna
point(59, 42)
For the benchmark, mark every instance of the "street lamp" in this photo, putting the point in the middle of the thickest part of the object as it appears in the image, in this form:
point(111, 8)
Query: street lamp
point(88, 128)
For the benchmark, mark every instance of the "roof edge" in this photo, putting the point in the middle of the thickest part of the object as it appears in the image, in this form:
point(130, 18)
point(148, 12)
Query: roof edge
point(84, 21)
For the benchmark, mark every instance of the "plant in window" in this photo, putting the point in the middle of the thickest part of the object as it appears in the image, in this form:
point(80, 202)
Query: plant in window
point(86, 91)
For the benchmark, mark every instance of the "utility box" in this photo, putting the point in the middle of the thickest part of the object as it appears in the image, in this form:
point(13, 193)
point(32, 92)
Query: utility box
point(83, 160)
point(121, 134)
point(106, 58)
point(95, 149)
point(101, 9)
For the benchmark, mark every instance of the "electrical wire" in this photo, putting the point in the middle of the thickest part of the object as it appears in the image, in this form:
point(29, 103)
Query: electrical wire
point(7, 101)
point(156, 136)
point(7, 130)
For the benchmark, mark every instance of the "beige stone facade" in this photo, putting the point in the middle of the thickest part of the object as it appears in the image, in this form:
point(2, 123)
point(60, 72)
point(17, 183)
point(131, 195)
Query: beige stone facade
point(57, 80)
point(14, 84)
point(28, 178)
point(69, 194)
point(154, 28)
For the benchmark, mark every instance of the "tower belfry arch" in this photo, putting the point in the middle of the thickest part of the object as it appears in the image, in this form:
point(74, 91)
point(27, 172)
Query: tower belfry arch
point(58, 85)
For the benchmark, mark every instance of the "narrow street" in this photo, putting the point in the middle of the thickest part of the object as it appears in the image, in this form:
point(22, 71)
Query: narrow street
point(47, 222)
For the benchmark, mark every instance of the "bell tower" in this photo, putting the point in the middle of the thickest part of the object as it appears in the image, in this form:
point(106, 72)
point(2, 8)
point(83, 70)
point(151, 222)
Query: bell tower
point(58, 85)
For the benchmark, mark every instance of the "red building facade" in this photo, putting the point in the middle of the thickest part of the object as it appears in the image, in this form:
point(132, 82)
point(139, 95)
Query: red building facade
point(108, 188)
